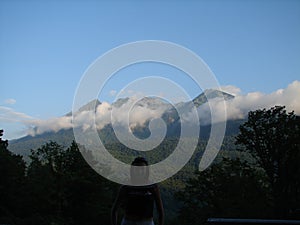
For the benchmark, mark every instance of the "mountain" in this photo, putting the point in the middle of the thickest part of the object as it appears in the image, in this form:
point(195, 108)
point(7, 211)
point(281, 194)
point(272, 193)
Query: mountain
point(120, 102)
point(210, 94)
point(22, 146)
point(64, 137)
point(92, 105)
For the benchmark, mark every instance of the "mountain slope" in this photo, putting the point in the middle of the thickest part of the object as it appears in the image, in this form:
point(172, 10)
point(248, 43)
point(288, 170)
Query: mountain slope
point(23, 145)
point(92, 105)
point(210, 94)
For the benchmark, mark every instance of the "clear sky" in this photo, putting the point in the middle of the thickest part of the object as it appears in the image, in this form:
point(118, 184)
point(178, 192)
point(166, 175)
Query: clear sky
point(45, 46)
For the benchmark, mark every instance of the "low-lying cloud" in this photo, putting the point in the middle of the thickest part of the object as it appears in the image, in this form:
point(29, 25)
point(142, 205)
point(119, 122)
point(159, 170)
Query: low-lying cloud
point(138, 112)
point(240, 105)
point(38, 126)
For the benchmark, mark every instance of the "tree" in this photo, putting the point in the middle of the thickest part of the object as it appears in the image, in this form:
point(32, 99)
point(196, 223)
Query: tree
point(64, 189)
point(12, 176)
point(272, 137)
point(230, 188)
point(89, 196)
point(45, 189)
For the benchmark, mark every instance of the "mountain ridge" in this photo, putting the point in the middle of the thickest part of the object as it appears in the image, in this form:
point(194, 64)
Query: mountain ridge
point(23, 145)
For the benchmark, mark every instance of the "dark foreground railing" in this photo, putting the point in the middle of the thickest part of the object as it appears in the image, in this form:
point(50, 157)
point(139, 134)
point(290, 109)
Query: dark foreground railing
point(219, 221)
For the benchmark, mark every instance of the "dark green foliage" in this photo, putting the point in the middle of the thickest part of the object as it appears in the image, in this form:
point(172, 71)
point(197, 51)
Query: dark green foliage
point(272, 137)
point(64, 189)
point(12, 172)
point(265, 184)
point(23, 145)
point(59, 187)
point(256, 177)
point(231, 188)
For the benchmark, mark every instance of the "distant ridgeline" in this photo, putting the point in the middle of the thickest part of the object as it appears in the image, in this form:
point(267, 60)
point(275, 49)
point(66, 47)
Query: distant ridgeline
point(64, 137)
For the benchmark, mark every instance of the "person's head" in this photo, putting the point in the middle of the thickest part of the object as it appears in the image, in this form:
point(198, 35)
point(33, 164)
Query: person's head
point(139, 171)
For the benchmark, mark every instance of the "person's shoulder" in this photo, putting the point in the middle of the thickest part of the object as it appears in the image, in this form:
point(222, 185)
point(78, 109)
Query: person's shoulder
point(129, 187)
point(154, 185)
point(151, 186)
point(123, 188)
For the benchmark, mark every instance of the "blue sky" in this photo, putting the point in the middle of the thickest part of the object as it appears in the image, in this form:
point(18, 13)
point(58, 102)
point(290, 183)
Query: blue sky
point(45, 46)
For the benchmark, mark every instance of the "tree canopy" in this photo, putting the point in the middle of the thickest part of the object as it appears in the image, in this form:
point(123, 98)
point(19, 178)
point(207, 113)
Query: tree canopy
point(257, 175)
point(272, 136)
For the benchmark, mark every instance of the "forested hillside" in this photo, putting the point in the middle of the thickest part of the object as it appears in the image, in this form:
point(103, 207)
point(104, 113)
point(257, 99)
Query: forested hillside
point(256, 175)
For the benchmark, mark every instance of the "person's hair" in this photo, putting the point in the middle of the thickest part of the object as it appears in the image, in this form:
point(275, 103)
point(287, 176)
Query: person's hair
point(135, 162)
point(139, 160)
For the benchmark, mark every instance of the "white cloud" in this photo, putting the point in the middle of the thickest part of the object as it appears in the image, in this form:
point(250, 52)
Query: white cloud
point(130, 93)
point(10, 115)
point(143, 110)
point(38, 126)
point(12, 122)
point(230, 89)
point(238, 107)
point(10, 101)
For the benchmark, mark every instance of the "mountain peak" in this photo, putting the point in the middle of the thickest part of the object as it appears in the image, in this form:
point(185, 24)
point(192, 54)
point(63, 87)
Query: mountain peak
point(210, 94)
point(90, 106)
point(120, 102)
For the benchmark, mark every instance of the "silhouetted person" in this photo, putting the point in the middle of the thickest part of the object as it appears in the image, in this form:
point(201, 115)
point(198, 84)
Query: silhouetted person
point(138, 201)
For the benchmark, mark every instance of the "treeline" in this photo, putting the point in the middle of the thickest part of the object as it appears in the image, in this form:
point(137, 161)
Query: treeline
point(265, 186)
point(259, 180)
point(57, 187)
